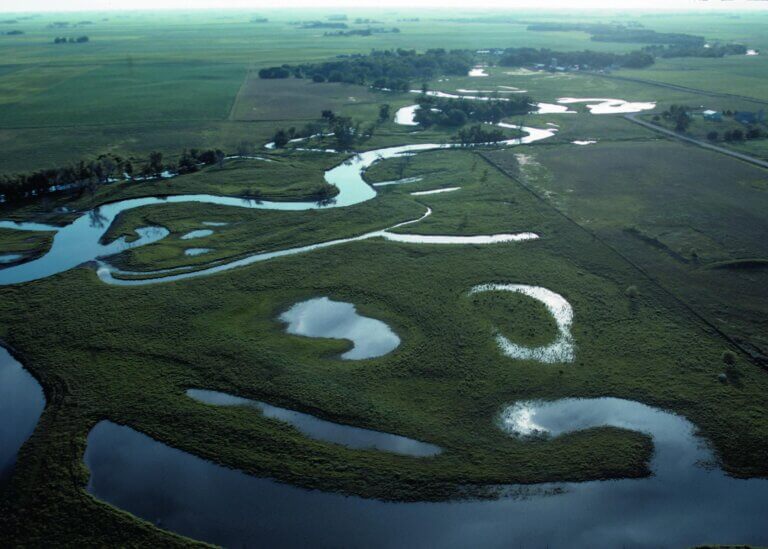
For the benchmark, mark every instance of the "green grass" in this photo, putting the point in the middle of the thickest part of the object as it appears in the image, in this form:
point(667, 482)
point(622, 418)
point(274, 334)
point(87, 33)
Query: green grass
point(675, 216)
point(170, 81)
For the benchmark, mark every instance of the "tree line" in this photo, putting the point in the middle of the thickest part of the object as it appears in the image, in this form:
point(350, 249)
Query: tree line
point(88, 174)
point(437, 111)
point(522, 57)
point(345, 131)
point(71, 40)
point(385, 69)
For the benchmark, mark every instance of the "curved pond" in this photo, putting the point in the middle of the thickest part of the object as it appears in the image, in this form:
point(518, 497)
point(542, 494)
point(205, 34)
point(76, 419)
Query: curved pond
point(685, 503)
point(436, 191)
point(321, 429)
point(199, 233)
point(21, 404)
point(322, 317)
point(560, 350)
point(80, 241)
point(608, 106)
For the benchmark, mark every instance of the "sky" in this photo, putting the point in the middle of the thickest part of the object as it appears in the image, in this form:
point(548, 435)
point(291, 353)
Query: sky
point(99, 5)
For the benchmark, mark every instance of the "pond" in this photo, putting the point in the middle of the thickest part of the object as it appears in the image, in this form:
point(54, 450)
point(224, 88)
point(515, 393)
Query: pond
point(21, 404)
point(560, 350)
point(321, 429)
point(322, 317)
point(196, 251)
point(199, 233)
point(686, 502)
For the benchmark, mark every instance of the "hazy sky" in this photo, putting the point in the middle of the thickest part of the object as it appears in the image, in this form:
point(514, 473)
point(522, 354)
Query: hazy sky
point(81, 5)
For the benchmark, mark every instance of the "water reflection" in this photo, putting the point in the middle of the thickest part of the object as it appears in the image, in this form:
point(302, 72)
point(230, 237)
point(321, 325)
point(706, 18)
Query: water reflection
point(321, 317)
point(682, 505)
point(320, 429)
point(21, 403)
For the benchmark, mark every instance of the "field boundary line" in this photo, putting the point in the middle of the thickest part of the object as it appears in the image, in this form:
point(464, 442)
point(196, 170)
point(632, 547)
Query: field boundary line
point(678, 87)
point(686, 307)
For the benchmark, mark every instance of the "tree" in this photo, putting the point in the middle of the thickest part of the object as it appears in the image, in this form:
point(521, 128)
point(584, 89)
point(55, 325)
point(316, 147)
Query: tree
point(318, 78)
point(384, 112)
point(632, 292)
point(156, 163)
point(220, 157)
point(280, 139)
point(729, 358)
point(712, 136)
point(738, 135)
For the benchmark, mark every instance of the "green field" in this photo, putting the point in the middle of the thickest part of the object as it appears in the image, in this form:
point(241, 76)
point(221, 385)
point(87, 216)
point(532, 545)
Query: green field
point(685, 226)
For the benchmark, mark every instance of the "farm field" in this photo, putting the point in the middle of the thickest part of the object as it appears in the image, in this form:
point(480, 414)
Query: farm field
point(518, 260)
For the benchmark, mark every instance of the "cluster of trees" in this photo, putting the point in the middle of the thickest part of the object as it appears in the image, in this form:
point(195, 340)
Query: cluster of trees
point(363, 32)
point(696, 50)
point(13, 32)
point(679, 115)
point(388, 69)
point(87, 175)
point(521, 57)
point(78, 40)
point(343, 129)
point(436, 111)
point(478, 134)
point(737, 135)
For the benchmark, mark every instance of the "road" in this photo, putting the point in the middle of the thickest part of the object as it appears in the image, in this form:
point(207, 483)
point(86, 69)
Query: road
point(702, 144)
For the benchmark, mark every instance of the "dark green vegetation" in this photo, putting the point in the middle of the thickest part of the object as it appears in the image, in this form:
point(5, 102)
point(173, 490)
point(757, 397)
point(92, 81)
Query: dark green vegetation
point(128, 354)
point(457, 112)
point(672, 259)
point(389, 69)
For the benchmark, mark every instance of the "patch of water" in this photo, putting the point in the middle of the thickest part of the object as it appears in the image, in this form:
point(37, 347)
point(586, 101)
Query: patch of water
point(478, 71)
point(436, 191)
point(321, 429)
point(560, 350)
point(682, 505)
point(21, 404)
point(197, 251)
point(322, 317)
point(405, 115)
point(10, 258)
point(584, 142)
point(199, 233)
point(608, 106)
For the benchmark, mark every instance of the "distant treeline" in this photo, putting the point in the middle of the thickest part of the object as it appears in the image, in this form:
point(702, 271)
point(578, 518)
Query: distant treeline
point(88, 174)
point(384, 69)
point(70, 40)
point(437, 111)
point(522, 57)
point(321, 25)
point(12, 32)
point(621, 33)
point(663, 44)
point(714, 50)
point(363, 32)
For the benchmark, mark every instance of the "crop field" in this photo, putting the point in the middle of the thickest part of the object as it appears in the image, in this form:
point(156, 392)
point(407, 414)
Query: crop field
point(659, 247)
